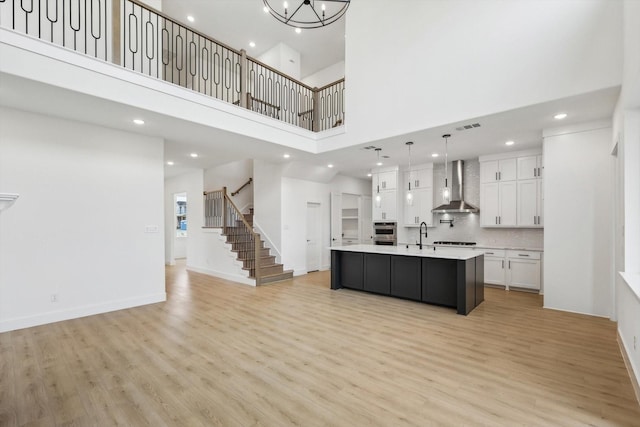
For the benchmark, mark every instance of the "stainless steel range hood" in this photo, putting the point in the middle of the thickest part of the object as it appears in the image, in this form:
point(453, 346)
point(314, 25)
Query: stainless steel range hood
point(457, 205)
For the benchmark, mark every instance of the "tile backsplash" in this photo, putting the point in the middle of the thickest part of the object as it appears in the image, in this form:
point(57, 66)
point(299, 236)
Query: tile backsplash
point(466, 227)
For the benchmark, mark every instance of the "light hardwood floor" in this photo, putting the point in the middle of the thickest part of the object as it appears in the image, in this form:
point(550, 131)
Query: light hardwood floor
point(297, 353)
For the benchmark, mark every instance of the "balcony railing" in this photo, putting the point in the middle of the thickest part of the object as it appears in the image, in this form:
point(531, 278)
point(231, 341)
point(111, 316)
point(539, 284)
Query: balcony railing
point(142, 39)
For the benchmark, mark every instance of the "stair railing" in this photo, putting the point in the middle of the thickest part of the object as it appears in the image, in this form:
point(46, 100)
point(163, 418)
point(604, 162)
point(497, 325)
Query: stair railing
point(137, 37)
point(221, 212)
point(249, 181)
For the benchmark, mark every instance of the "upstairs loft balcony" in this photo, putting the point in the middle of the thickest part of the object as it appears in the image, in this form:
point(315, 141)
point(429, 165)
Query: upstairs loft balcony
point(136, 37)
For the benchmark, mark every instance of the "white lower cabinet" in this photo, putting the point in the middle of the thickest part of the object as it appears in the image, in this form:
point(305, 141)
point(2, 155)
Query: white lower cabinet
point(512, 269)
point(494, 263)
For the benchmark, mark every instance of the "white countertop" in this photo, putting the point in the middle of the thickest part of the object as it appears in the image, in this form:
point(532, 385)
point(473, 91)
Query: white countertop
point(426, 252)
point(479, 246)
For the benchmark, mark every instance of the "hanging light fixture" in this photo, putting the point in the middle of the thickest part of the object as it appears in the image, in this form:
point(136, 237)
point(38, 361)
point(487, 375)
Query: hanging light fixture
point(409, 193)
point(446, 191)
point(378, 198)
point(307, 13)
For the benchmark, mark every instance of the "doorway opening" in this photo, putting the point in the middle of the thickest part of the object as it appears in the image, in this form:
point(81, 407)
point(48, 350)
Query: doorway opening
point(180, 226)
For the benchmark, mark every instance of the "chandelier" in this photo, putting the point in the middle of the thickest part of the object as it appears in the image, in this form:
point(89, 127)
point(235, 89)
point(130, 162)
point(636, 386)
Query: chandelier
point(307, 13)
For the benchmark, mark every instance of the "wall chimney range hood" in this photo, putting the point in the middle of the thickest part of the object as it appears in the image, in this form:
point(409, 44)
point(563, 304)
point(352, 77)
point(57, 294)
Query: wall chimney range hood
point(457, 205)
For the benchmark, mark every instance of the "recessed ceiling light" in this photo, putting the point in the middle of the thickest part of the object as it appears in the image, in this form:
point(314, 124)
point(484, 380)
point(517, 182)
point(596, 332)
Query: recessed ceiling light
point(252, 44)
point(194, 155)
point(435, 155)
point(286, 156)
point(190, 18)
point(329, 165)
point(560, 116)
point(369, 174)
point(509, 143)
point(266, 9)
point(138, 121)
point(379, 164)
point(170, 163)
point(298, 30)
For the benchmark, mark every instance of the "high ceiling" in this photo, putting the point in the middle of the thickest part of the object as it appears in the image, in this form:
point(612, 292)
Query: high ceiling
point(238, 22)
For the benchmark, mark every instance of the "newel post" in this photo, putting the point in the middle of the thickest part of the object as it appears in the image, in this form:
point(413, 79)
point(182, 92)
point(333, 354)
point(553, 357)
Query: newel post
point(224, 210)
point(315, 114)
point(244, 78)
point(116, 26)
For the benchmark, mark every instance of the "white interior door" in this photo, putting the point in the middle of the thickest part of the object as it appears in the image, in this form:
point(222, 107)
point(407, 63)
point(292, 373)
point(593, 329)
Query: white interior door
point(314, 234)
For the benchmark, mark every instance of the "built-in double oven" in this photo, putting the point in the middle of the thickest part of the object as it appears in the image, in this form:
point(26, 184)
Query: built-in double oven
point(385, 233)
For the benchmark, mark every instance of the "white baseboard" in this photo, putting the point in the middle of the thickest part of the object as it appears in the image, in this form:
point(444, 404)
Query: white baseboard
point(76, 312)
point(299, 271)
point(221, 275)
point(633, 375)
point(575, 312)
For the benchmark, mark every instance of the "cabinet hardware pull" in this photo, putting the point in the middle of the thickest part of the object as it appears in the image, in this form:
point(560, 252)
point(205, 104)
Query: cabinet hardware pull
point(503, 264)
point(489, 253)
point(509, 264)
point(523, 255)
point(535, 171)
point(500, 176)
point(496, 176)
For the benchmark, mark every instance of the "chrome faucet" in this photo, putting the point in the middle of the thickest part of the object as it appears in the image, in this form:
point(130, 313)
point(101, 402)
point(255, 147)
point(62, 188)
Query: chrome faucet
point(420, 233)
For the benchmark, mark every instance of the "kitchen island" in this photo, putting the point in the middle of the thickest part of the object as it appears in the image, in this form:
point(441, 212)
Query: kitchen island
point(431, 275)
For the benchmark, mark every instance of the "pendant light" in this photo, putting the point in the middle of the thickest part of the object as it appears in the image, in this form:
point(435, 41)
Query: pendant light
point(409, 195)
point(378, 197)
point(446, 191)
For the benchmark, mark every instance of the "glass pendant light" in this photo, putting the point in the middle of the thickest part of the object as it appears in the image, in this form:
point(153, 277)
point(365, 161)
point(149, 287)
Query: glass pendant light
point(446, 191)
point(409, 193)
point(378, 198)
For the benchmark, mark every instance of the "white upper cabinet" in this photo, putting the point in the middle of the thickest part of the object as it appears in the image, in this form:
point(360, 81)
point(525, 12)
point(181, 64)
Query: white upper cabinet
point(511, 190)
point(530, 167)
point(388, 180)
point(419, 178)
point(498, 170)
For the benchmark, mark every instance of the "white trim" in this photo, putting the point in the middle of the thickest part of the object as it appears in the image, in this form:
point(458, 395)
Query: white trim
point(267, 241)
point(628, 363)
point(604, 316)
point(576, 128)
point(510, 155)
point(300, 271)
point(633, 282)
point(226, 276)
point(74, 313)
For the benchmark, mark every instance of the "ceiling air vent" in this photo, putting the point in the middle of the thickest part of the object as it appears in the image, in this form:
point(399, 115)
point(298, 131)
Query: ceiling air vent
point(467, 127)
point(369, 147)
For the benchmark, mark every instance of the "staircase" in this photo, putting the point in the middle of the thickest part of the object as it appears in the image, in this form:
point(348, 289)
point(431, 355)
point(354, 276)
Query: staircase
point(240, 240)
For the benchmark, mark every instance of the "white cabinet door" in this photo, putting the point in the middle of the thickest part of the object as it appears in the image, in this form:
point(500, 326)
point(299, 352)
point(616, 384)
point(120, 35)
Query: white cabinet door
point(540, 202)
point(528, 203)
point(422, 178)
point(420, 210)
point(523, 269)
point(528, 167)
point(524, 273)
point(489, 204)
point(494, 272)
point(388, 180)
point(498, 170)
point(508, 204)
point(388, 210)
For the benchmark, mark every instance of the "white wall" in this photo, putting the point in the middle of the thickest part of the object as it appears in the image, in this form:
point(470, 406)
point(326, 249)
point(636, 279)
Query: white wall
point(579, 220)
point(468, 58)
point(284, 59)
point(232, 175)
point(296, 193)
point(83, 227)
point(326, 75)
point(267, 198)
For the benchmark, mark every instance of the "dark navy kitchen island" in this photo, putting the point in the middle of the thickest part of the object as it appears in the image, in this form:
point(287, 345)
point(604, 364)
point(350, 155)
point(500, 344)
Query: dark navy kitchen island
point(442, 277)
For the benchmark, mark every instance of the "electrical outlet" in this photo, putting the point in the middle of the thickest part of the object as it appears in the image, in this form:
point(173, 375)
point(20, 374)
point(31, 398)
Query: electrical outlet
point(54, 297)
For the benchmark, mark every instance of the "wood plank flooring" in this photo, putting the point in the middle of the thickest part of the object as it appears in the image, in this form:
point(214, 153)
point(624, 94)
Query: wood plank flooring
point(297, 353)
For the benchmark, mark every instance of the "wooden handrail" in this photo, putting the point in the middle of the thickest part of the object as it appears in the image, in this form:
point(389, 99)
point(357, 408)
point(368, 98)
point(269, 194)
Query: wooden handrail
point(241, 187)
